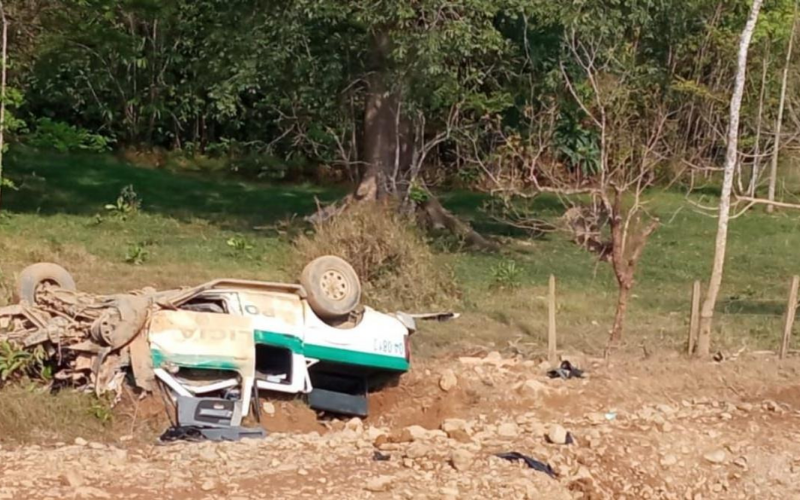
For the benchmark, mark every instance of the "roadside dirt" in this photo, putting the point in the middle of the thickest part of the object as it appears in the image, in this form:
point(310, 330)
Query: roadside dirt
point(661, 428)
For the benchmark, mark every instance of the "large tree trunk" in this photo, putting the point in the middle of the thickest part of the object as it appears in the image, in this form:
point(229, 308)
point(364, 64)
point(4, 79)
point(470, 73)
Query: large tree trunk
point(731, 157)
point(388, 132)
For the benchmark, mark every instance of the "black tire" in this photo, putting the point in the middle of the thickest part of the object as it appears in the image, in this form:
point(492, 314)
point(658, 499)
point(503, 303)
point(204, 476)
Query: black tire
point(332, 285)
point(33, 276)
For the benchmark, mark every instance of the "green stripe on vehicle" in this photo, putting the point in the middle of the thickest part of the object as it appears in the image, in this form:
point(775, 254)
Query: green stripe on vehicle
point(290, 342)
point(355, 357)
point(334, 354)
point(194, 361)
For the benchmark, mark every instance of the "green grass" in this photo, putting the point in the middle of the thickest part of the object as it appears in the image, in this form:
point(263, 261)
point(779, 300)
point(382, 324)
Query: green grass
point(187, 223)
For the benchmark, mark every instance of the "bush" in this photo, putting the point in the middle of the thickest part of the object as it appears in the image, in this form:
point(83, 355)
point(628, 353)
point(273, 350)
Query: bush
point(65, 138)
point(392, 259)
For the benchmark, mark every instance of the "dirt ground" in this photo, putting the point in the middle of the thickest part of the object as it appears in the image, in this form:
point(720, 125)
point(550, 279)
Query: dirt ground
point(642, 428)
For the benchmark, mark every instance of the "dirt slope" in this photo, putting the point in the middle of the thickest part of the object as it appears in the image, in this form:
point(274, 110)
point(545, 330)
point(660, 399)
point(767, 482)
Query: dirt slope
point(662, 428)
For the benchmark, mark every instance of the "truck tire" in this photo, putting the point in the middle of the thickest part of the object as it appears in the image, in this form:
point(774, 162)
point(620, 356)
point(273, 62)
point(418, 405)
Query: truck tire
point(33, 276)
point(332, 286)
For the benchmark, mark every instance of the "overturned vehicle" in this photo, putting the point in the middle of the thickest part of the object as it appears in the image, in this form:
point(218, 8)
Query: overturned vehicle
point(226, 339)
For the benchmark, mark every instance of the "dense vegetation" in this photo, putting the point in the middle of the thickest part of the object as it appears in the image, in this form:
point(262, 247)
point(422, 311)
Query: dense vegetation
point(320, 82)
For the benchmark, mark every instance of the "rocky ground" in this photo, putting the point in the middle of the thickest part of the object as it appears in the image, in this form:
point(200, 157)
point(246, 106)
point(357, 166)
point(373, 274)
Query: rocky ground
point(639, 428)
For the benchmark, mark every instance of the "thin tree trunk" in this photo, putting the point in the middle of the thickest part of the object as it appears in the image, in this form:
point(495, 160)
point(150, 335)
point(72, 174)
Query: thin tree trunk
point(751, 189)
point(619, 317)
point(773, 170)
point(731, 157)
point(3, 72)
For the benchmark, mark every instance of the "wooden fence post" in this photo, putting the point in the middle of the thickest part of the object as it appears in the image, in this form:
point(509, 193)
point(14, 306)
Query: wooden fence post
point(791, 312)
point(551, 324)
point(694, 322)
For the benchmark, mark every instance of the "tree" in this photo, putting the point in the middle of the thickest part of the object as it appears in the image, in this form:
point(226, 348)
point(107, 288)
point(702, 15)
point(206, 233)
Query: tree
point(595, 143)
point(731, 158)
point(773, 172)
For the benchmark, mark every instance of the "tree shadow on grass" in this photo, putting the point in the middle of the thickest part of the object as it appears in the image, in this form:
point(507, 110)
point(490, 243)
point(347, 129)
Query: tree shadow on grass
point(752, 307)
point(51, 184)
point(469, 206)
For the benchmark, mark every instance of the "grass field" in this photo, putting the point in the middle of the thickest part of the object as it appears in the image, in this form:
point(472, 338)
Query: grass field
point(193, 227)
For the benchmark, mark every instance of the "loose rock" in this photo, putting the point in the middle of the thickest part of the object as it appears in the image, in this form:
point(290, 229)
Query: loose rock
point(461, 459)
point(380, 483)
point(508, 429)
point(715, 457)
point(557, 434)
point(448, 381)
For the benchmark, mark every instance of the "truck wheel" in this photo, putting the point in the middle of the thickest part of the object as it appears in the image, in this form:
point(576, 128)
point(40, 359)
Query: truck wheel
point(332, 286)
point(34, 276)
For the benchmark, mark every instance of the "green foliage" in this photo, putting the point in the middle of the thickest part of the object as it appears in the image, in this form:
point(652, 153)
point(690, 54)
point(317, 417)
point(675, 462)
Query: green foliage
point(239, 244)
point(136, 254)
point(271, 91)
point(127, 204)
point(579, 147)
point(16, 361)
point(64, 138)
point(506, 274)
point(417, 194)
point(101, 408)
point(5, 182)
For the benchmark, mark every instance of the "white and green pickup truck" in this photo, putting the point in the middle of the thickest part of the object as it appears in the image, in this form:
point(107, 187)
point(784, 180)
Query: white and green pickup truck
point(224, 339)
point(266, 336)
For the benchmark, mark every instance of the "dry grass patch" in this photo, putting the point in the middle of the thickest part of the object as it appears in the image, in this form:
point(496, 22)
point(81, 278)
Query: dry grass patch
point(394, 262)
point(30, 413)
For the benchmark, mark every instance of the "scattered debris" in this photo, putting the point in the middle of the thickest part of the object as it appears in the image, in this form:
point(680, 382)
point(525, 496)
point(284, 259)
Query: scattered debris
point(377, 456)
point(565, 371)
point(530, 462)
point(198, 434)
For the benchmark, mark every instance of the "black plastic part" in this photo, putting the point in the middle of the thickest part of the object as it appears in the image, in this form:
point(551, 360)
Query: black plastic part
point(530, 462)
point(255, 400)
point(338, 402)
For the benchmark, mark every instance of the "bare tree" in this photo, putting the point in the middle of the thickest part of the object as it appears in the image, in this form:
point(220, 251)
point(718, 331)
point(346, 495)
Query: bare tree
point(731, 157)
point(628, 122)
point(773, 171)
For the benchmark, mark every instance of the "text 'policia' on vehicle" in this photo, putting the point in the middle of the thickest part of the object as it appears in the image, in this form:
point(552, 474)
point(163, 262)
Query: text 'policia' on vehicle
point(226, 339)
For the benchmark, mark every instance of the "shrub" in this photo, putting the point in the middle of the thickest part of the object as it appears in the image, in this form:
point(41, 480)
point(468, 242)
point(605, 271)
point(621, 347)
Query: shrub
point(128, 203)
point(392, 259)
point(506, 274)
point(136, 254)
point(64, 138)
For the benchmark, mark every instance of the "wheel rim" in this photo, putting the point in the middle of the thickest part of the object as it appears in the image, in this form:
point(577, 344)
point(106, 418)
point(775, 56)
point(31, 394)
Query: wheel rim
point(334, 285)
